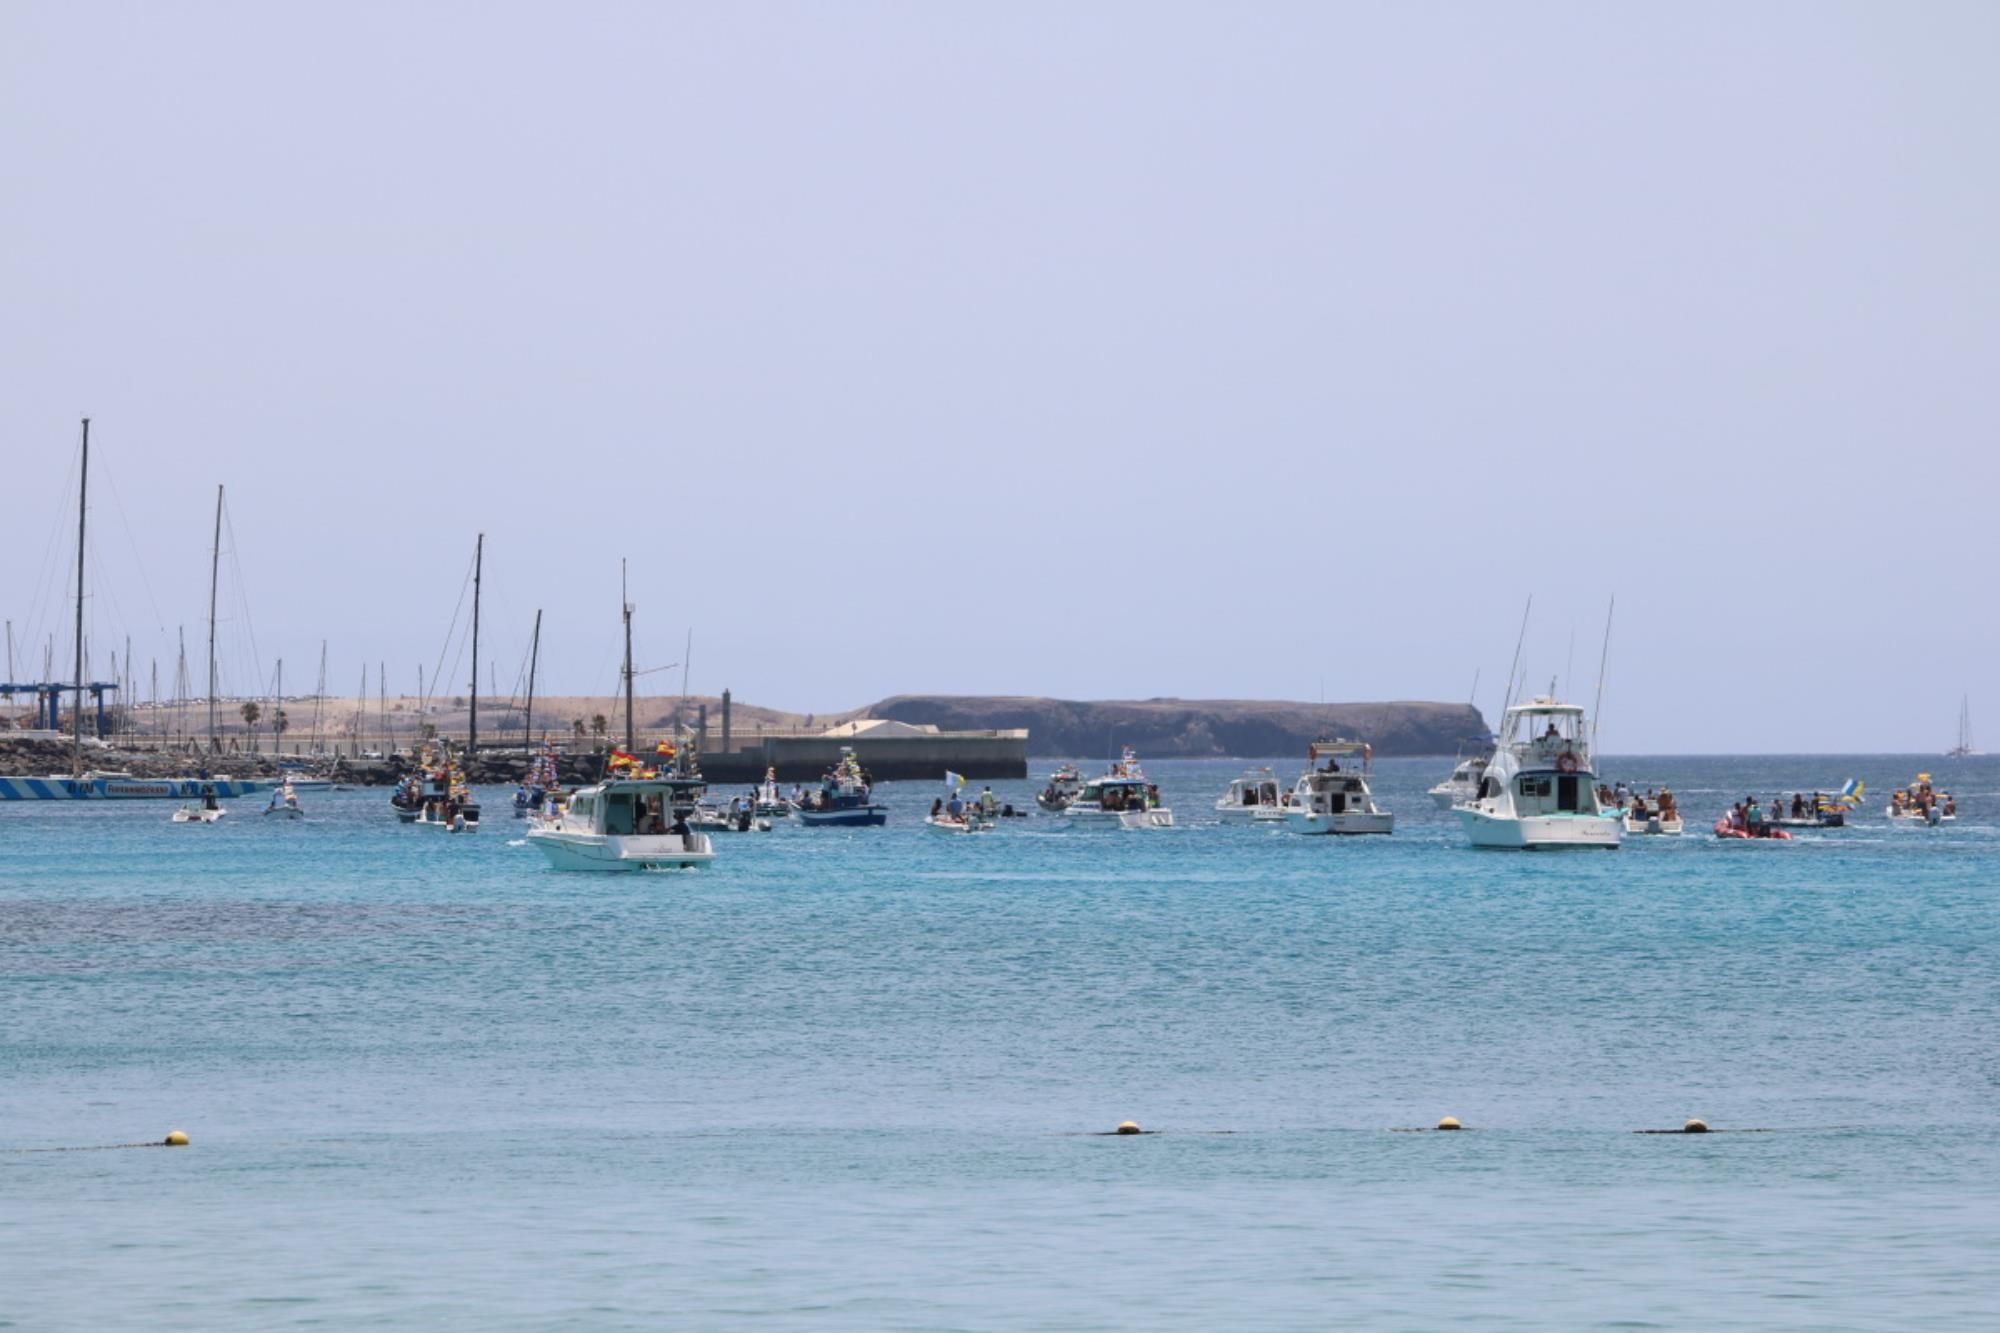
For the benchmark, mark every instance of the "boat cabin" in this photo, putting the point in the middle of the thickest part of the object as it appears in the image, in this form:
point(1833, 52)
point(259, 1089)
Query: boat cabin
point(644, 807)
point(1119, 794)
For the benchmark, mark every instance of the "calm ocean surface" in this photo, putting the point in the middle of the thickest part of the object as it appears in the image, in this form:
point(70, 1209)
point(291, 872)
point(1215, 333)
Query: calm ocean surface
point(849, 1079)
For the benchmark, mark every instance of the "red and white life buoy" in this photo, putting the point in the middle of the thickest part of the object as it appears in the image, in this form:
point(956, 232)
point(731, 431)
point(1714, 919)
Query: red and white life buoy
point(1566, 762)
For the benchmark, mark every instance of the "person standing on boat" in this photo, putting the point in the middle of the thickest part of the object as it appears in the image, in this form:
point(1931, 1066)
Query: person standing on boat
point(1753, 816)
point(954, 808)
point(989, 804)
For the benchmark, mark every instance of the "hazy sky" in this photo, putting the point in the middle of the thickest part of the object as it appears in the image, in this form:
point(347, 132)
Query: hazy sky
point(1098, 350)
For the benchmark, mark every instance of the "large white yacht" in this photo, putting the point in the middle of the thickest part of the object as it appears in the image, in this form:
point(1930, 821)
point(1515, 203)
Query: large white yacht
point(1463, 784)
point(1254, 796)
point(1331, 799)
point(1539, 788)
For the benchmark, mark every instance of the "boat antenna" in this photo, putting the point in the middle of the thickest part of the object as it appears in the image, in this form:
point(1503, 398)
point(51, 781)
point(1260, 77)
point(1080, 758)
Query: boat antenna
point(1507, 698)
point(534, 655)
point(214, 577)
point(687, 662)
point(1597, 704)
point(472, 725)
point(625, 599)
point(82, 490)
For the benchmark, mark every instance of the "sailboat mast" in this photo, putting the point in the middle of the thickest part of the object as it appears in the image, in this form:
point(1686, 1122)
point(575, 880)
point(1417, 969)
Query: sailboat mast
point(623, 596)
point(82, 490)
point(534, 655)
point(472, 729)
point(214, 575)
point(1597, 705)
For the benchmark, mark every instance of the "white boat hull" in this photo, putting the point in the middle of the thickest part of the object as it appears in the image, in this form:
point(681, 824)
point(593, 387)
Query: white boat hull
point(1090, 816)
point(1653, 826)
point(1537, 831)
point(945, 824)
point(1917, 817)
point(569, 849)
point(1449, 797)
point(1347, 822)
point(198, 816)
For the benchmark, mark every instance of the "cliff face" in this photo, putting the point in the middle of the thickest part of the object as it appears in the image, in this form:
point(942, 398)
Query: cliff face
point(1197, 727)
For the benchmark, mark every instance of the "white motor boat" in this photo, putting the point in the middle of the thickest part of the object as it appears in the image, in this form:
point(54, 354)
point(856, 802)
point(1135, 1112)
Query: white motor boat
point(1648, 821)
point(1063, 785)
point(1539, 789)
point(1254, 796)
point(627, 824)
point(1330, 799)
point(1462, 785)
point(1122, 797)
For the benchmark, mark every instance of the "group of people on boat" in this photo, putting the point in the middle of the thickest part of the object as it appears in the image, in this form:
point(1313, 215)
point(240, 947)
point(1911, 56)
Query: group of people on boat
point(1746, 820)
point(1651, 804)
point(1125, 796)
point(1920, 800)
point(986, 805)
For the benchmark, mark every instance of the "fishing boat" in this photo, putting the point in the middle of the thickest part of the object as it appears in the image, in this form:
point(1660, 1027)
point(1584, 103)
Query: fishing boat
point(1462, 785)
point(435, 794)
point(1539, 789)
point(1252, 797)
point(1330, 799)
point(285, 803)
point(636, 820)
point(1123, 798)
point(1062, 787)
point(539, 785)
point(843, 798)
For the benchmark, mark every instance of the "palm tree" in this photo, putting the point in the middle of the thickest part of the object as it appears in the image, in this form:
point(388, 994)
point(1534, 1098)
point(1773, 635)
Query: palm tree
point(598, 726)
point(251, 712)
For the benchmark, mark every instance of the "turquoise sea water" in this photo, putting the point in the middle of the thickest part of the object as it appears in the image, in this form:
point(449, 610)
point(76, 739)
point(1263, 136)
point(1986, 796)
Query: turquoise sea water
point(851, 1079)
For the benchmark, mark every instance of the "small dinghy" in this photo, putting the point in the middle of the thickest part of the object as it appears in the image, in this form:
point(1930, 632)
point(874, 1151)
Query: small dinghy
point(285, 803)
point(207, 812)
point(1725, 829)
point(967, 823)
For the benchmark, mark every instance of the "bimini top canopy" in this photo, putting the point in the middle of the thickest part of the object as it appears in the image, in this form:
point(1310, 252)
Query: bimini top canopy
point(1546, 705)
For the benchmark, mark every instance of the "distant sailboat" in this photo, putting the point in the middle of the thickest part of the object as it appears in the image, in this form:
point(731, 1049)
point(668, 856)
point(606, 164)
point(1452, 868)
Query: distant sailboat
point(1964, 749)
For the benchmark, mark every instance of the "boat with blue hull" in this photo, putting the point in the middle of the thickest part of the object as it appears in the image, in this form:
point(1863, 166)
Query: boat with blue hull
point(845, 798)
point(124, 787)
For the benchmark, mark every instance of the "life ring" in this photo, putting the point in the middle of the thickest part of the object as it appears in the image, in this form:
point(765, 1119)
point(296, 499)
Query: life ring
point(1566, 762)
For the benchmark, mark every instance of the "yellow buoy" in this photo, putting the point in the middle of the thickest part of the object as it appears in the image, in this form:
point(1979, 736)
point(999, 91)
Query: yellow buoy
point(1695, 1127)
point(176, 1138)
point(1129, 1127)
point(1450, 1122)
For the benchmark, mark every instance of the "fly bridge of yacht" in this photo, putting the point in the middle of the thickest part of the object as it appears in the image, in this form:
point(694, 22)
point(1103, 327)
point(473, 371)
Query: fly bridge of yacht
point(1548, 736)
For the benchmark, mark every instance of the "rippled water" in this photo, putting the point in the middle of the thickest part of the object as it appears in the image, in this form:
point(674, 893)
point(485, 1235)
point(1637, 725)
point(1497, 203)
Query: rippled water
point(854, 1079)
